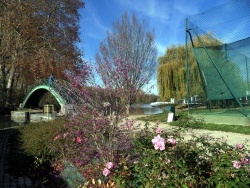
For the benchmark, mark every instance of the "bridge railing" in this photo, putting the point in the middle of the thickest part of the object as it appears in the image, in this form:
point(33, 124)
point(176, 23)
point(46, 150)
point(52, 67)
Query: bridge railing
point(38, 82)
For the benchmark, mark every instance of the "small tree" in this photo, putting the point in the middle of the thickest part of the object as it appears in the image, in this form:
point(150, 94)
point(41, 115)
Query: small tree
point(128, 58)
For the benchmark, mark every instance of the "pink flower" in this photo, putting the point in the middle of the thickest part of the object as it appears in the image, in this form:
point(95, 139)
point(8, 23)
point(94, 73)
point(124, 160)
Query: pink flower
point(57, 137)
point(105, 172)
point(158, 130)
point(245, 160)
point(172, 141)
point(65, 134)
point(79, 140)
point(239, 146)
point(158, 142)
point(236, 164)
point(109, 165)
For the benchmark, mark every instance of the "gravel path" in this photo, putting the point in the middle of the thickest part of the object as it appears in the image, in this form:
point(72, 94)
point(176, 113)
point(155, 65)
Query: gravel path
point(229, 137)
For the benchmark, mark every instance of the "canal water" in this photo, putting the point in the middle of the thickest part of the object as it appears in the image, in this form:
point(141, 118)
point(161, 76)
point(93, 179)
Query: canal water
point(148, 109)
point(6, 122)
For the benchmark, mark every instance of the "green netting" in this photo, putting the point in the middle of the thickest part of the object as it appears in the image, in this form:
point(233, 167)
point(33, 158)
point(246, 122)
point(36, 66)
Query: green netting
point(220, 41)
point(223, 71)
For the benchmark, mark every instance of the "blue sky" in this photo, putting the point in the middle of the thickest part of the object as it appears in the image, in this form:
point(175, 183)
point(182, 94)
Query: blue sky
point(166, 17)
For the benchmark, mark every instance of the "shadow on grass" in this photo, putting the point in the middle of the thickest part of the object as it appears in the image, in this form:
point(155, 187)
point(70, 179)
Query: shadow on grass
point(22, 165)
point(19, 163)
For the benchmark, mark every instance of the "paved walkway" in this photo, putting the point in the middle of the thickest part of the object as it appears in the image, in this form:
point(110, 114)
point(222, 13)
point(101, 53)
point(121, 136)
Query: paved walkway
point(8, 180)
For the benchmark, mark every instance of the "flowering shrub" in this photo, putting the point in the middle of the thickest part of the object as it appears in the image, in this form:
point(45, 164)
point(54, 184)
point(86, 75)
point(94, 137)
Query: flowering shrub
point(158, 142)
point(138, 159)
point(106, 170)
point(239, 146)
point(158, 130)
point(200, 162)
point(92, 139)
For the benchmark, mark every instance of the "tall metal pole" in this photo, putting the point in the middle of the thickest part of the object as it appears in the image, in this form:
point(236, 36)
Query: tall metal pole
point(247, 73)
point(247, 92)
point(187, 66)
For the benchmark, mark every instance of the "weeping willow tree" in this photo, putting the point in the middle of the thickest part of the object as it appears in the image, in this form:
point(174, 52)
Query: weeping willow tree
point(171, 75)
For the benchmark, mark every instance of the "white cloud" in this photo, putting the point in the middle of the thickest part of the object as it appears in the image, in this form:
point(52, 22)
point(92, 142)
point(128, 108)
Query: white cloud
point(161, 49)
point(156, 9)
point(94, 27)
point(186, 8)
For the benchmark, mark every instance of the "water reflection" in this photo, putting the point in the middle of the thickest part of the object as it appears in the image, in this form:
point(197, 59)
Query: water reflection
point(6, 122)
point(153, 110)
point(148, 109)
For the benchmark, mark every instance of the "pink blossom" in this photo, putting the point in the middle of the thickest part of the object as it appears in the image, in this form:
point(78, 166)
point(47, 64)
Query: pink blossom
point(239, 146)
point(106, 172)
point(65, 134)
point(158, 142)
point(109, 165)
point(79, 140)
point(158, 130)
point(57, 137)
point(172, 141)
point(245, 160)
point(236, 164)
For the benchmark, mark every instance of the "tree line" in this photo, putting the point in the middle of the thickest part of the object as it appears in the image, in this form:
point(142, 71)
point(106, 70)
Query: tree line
point(37, 39)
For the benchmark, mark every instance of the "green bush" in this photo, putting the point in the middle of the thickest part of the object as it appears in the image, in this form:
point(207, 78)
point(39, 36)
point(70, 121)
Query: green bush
point(199, 162)
point(37, 140)
point(188, 121)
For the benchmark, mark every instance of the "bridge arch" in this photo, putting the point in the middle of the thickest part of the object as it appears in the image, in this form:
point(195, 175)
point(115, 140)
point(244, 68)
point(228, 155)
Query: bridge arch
point(33, 97)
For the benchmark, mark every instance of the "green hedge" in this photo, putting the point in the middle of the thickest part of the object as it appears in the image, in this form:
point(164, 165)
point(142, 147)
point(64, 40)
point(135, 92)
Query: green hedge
point(37, 139)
